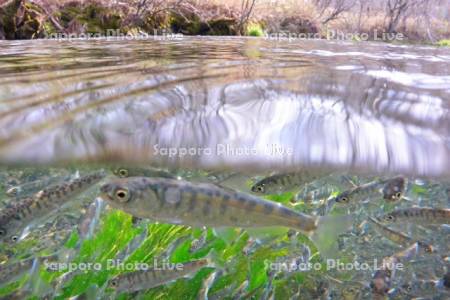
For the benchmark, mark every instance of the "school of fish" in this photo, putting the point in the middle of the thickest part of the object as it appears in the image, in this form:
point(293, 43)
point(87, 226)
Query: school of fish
point(365, 219)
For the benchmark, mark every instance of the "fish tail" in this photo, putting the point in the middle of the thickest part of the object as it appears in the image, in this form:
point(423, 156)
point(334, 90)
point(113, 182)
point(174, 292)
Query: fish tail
point(328, 230)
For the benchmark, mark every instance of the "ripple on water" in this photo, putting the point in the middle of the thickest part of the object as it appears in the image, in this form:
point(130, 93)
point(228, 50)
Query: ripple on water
point(360, 106)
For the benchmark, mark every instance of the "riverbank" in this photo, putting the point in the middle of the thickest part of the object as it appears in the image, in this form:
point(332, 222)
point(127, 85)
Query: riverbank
point(31, 19)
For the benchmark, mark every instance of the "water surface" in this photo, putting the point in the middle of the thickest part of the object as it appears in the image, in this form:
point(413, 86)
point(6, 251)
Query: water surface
point(252, 103)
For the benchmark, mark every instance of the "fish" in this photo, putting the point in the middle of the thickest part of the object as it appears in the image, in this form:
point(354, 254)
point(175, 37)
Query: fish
point(423, 215)
point(150, 278)
point(9, 272)
point(280, 183)
point(196, 244)
point(28, 188)
point(382, 279)
point(390, 189)
point(420, 288)
point(399, 237)
point(20, 214)
point(359, 193)
point(206, 285)
point(219, 177)
point(124, 172)
point(394, 188)
point(351, 291)
point(200, 204)
point(89, 220)
point(203, 204)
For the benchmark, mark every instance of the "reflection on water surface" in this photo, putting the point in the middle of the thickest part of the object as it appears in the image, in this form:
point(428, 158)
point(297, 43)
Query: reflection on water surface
point(377, 107)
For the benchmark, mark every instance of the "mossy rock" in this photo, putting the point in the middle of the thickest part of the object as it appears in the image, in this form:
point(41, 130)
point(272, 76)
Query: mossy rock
point(98, 19)
point(69, 12)
point(8, 13)
point(188, 24)
point(93, 17)
point(152, 22)
point(298, 25)
point(29, 24)
point(191, 24)
point(222, 27)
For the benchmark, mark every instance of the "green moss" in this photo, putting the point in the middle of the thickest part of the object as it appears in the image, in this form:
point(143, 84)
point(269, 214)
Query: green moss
point(254, 30)
point(94, 17)
point(223, 26)
point(189, 25)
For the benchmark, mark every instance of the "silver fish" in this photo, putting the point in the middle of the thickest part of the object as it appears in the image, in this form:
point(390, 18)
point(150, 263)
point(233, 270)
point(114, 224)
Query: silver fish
point(90, 219)
point(419, 288)
point(144, 280)
point(280, 183)
point(182, 202)
point(202, 204)
point(28, 188)
point(399, 237)
point(11, 271)
point(359, 193)
point(15, 217)
point(424, 215)
point(124, 172)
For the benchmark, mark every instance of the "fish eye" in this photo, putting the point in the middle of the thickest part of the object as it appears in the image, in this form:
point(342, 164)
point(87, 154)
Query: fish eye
point(398, 195)
point(389, 218)
point(342, 199)
point(123, 172)
point(259, 189)
point(114, 283)
point(2, 232)
point(122, 195)
point(14, 238)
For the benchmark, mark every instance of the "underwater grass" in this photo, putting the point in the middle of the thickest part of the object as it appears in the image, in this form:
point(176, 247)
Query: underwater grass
point(242, 268)
point(117, 231)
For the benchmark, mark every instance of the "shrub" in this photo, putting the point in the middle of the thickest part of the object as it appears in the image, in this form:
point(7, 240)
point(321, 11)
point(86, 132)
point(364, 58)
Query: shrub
point(254, 29)
point(444, 43)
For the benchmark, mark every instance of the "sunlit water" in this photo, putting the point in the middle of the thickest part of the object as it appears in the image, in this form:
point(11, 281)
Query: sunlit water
point(227, 111)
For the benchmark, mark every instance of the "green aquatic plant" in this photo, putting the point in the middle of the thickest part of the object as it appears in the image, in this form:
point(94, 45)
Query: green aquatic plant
point(116, 232)
point(254, 29)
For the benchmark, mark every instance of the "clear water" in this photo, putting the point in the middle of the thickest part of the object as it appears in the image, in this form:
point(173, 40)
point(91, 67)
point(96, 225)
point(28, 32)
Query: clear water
point(228, 111)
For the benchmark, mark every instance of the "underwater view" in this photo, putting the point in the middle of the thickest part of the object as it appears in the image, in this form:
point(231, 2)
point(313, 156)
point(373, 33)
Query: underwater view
point(222, 167)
